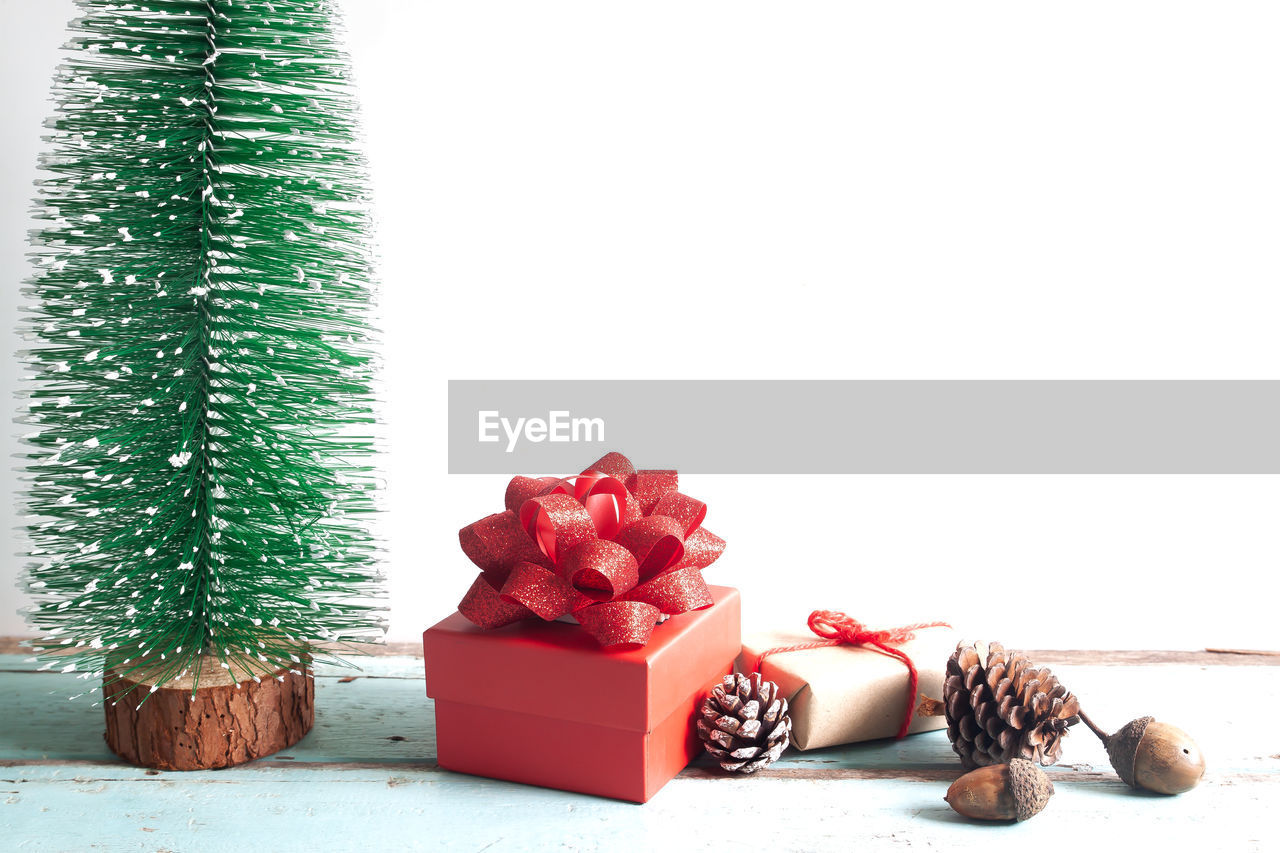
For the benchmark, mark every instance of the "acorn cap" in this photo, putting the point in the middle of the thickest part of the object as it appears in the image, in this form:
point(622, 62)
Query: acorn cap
point(1029, 787)
point(1122, 748)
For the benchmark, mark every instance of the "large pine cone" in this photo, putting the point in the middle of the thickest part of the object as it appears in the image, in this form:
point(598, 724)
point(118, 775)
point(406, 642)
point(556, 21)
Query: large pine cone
point(999, 707)
point(744, 723)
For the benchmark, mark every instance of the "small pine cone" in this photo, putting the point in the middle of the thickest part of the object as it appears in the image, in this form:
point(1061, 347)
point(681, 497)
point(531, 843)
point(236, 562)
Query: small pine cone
point(744, 723)
point(1000, 706)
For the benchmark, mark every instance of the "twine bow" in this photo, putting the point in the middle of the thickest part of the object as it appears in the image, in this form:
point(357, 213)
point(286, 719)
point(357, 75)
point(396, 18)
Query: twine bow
point(839, 629)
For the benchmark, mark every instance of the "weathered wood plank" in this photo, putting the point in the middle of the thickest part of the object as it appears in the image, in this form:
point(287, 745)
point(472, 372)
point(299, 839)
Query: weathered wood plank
point(382, 720)
point(1098, 657)
point(366, 659)
point(368, 666)
point(1151, 657)
point(384, 716)
point(366, 776)
point(300, 809)
point(19, 645)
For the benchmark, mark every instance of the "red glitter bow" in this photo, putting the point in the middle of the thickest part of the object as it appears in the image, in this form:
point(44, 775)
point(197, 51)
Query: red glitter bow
point(838, 629)
point(614, 547)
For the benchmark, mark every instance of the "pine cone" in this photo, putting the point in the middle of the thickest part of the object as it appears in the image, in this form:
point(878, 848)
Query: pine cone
point(744, 723)
point(999, 707)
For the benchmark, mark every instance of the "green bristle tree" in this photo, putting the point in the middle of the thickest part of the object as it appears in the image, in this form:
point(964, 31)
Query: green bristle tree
point(200, 470)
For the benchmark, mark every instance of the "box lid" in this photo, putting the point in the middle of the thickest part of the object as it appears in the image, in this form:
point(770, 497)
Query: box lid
point(557, 670)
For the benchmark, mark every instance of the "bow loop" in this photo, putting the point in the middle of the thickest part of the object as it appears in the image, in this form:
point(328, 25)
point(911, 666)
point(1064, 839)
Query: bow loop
point(684, 509)
point(541, 591)
point(833, 625)
point(599, 569)
point(521, 489)
point(556, 523)
point(602, 496)
point(617, 466)
point(657, 542)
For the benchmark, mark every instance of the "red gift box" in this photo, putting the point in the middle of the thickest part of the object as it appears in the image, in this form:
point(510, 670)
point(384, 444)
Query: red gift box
point(540, 703)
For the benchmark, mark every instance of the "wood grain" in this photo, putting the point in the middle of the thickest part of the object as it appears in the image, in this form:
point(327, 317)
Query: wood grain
point(365, 777)
point(1099, 657)
point(1152, 657)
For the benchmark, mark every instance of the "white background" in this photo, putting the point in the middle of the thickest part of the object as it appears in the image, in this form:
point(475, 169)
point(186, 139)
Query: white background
point(817, 190)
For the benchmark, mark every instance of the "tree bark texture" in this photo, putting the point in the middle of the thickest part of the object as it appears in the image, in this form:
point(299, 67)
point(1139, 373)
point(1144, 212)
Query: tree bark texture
point(221, 725)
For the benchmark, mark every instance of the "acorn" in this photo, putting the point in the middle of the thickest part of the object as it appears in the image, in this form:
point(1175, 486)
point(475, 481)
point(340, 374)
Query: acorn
point(1153, 756)
point(1013, 791)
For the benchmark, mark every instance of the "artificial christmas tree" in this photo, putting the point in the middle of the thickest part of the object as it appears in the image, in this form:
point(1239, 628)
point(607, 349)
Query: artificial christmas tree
point(202, 392)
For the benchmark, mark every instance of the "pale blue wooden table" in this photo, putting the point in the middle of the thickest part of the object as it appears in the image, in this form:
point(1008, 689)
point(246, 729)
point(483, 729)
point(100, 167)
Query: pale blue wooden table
point(365, 778)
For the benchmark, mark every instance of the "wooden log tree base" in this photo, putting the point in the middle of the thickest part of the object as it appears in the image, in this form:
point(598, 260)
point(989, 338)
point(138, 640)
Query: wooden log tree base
point(226, 724)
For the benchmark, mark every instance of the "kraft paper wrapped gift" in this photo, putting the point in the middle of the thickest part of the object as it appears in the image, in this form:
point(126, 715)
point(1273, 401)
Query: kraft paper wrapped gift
point(846, 694)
